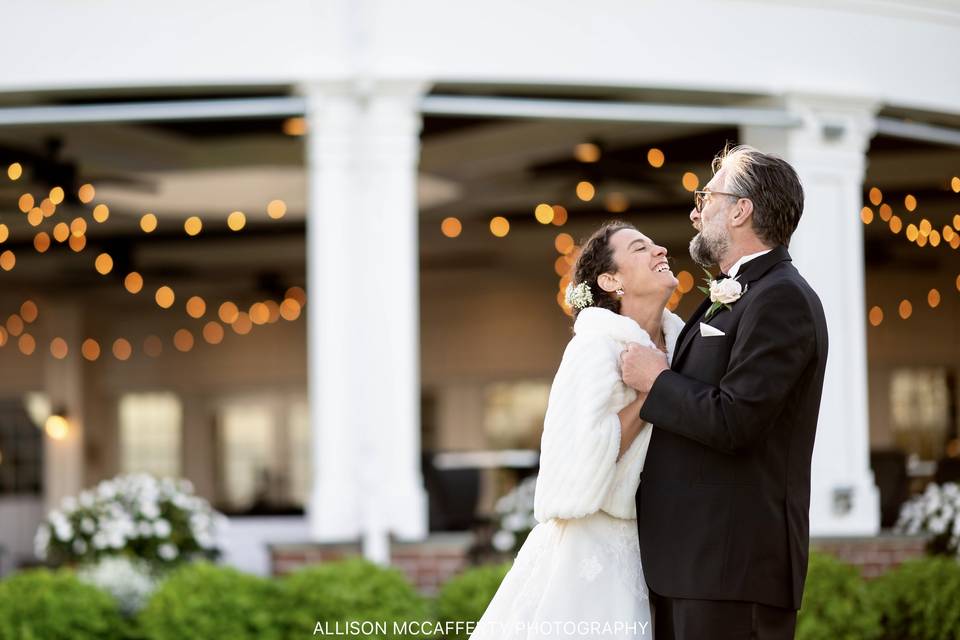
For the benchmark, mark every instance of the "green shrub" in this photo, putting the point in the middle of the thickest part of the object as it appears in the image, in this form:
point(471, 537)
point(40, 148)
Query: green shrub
point(918, 600)
point(349, 590)
point(49, 605)
point(465, 597)
point(836, 603)
point(202, 600)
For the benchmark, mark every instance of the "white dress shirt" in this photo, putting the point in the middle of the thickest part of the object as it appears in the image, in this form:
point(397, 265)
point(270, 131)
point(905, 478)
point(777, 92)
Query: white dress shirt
point(745, 259)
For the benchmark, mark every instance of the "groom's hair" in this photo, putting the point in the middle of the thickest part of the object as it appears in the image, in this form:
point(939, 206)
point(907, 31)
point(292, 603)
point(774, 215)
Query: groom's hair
point(771, 184)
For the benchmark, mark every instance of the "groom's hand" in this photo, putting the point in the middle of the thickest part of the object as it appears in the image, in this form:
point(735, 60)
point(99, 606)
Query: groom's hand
point(640, 366)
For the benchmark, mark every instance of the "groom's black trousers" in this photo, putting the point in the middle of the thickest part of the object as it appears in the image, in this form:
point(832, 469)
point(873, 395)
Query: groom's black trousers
point(683, 619)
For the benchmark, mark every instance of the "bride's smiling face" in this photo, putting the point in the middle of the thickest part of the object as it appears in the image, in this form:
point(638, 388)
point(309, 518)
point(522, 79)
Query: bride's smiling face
point(642, 267)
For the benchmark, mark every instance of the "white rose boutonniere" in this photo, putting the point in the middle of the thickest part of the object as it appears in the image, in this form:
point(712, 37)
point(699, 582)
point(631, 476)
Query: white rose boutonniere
point(723, 293)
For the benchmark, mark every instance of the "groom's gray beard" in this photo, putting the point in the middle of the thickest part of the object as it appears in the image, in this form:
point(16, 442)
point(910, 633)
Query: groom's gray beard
point(706, 252)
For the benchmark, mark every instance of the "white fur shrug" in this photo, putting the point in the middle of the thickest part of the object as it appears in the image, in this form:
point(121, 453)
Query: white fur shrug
point(579, 471)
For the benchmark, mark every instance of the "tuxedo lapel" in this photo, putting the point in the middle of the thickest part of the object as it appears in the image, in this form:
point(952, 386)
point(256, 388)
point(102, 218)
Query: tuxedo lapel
point(688, 333)
point(750, 272)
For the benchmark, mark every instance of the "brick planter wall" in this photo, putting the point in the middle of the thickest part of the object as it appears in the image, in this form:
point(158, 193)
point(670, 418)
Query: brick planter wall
point(427, 564)
point(873, 555)
point(430, 563)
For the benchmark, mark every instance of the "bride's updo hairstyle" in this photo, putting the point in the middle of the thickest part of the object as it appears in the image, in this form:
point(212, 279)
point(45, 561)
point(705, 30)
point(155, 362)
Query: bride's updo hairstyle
point(596, 257)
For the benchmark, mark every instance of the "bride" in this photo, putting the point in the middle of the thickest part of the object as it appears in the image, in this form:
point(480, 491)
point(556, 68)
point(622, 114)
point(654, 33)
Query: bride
point(578, 574)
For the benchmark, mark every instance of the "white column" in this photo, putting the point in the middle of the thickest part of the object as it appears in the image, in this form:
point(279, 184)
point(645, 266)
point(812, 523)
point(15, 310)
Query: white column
point(334, 252)
point(363, 338)
point(391, 155)
point(828, 152)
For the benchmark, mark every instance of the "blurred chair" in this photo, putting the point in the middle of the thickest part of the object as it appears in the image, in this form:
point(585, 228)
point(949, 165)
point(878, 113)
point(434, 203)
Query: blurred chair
point(890, 473)
point(948, 470)
point(453, 495)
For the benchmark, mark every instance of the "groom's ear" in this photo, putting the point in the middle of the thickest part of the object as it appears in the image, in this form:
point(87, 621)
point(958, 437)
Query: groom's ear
point(742, 213)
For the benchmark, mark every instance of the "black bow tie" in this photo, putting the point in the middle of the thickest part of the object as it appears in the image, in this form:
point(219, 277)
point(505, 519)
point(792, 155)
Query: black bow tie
point(721, 276)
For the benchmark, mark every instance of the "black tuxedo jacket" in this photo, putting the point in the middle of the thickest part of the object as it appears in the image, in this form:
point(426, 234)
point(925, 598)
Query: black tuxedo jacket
point(724, 497)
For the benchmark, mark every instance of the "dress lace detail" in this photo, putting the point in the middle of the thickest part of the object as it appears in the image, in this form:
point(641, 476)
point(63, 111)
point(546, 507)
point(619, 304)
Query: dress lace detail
point(590, 568)
point(571, 570)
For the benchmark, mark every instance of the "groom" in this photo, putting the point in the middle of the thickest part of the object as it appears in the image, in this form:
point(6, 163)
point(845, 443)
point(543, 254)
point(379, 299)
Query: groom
point(724, 497)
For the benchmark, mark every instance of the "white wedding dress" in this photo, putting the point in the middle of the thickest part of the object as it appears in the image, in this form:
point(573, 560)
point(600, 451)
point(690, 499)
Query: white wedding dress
point(579, 572)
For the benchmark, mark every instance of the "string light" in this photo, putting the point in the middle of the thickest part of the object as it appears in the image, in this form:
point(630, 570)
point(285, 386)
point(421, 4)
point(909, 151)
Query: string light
point(47, 207)
point(213, 332)
point(133, 282)
point(29, 311)
point(290, 309)
point(655, 158)
point(27, 344)
point(228, 312)
point(587, 152)
point(276, 209)
point(61, 231)
point(196, 307)
point(585, 190)
point(259, 313)
point(559, 215)
point(563, 243)
point(41, 242)
point(499, 226)
point(165, 297)
point(616, 202)
point(122, 350)
point(58, 348)
point(236, 221)
point(905, 309)
point(90, 349)
point(451, 227)
point(148, 223)
point(183, 340)
point(543, 213)
point(104, 264)
point(242, 325)
point(193, 226)
point(15, 325)
point(86, 193)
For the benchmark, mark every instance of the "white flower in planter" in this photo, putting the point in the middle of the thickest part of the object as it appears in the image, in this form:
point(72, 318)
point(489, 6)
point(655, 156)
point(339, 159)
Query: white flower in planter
point(161, 528)
point(128, 581)
point(168, 552)
point(503, 540)
point(935, 512)
point(134, 515)
point(41, 541)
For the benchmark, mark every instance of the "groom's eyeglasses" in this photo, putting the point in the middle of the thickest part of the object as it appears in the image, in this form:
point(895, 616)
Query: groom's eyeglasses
point(700, 197)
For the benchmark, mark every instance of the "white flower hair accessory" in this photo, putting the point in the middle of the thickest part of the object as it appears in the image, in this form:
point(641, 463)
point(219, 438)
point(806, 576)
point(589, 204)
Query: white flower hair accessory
point(579, 296)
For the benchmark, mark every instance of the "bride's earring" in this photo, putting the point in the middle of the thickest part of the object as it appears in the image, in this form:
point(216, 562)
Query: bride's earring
point(620, 292)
